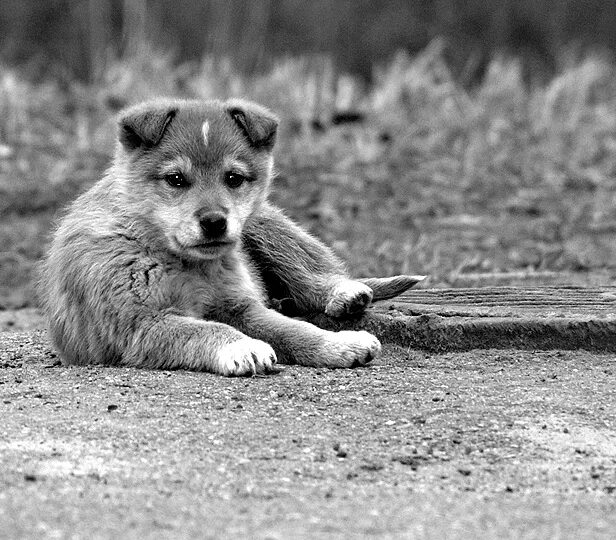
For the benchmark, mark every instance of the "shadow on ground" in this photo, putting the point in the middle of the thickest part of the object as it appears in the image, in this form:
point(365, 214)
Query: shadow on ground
point(485, 443)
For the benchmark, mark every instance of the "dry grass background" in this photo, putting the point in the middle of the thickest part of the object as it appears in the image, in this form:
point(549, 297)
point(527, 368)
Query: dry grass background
point(437, 179)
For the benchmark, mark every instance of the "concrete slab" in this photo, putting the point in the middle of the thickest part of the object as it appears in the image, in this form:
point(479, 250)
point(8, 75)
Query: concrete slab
point(541, 318)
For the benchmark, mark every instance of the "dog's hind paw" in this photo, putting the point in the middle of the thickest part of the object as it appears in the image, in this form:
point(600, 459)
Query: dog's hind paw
point(246, 356)
point(348, 298)
point(349, 349)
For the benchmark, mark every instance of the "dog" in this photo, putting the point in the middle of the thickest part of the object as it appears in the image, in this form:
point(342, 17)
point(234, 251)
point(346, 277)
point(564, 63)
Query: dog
point(174, 259)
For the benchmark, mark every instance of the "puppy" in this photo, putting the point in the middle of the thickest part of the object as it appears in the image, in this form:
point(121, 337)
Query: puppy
point(173, 258)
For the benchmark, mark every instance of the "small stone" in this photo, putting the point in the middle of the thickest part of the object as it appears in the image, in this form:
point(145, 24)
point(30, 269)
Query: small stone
point(340, 451)
point(5, 151)
point(411, 461)
point(371, 467)
point(464, 471)
point(111, 407)
point(54, 364)
point(29, 477)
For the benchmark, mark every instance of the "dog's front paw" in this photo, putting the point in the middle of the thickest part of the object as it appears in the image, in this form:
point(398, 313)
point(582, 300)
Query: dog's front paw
point(350, 349)
point(246, 356)
point(348, 298)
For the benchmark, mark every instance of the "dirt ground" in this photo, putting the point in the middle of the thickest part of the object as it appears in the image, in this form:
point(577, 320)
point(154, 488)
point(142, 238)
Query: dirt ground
point(486, 444)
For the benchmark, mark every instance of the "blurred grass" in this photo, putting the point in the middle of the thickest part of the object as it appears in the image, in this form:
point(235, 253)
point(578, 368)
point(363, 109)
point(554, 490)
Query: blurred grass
point(436, 179)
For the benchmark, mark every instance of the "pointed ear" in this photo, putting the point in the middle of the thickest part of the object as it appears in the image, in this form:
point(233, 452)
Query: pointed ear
point(143, 126)
point(256, 123)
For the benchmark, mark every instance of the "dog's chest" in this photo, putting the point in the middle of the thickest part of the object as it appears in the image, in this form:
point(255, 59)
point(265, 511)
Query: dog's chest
point(195, 291)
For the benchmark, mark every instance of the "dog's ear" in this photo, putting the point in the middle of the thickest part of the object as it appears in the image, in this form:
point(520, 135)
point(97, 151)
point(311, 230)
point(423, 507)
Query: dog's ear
point(143, 126)
point(256, 123)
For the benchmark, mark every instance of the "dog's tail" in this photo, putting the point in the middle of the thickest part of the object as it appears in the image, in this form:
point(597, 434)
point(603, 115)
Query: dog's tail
point(386, 288)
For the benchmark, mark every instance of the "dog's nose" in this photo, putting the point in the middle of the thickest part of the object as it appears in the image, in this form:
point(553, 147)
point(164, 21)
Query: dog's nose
point(213, 224)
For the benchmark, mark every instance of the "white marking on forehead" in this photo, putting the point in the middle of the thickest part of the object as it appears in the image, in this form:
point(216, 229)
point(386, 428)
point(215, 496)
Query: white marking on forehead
point(205, 131)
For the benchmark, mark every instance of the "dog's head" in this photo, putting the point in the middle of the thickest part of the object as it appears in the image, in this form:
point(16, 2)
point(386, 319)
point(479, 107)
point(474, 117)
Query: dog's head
point(195, 171)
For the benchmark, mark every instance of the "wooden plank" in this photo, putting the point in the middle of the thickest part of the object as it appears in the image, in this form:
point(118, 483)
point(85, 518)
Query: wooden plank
point(540, 318)
point(509, 302)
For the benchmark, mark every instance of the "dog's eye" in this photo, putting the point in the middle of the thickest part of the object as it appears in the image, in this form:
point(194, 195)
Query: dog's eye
point(234, 180)
point(176, 180)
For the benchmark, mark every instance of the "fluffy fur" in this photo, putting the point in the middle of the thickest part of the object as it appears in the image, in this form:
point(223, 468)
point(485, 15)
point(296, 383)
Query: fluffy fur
point(173, 258)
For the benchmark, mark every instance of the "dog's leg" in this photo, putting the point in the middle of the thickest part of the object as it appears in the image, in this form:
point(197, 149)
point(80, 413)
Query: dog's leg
point(178, 342)
point(303, 343)
point(297, 266)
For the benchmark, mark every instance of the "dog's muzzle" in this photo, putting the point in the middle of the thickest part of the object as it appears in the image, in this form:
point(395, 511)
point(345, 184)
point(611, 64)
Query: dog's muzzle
point(213, 225)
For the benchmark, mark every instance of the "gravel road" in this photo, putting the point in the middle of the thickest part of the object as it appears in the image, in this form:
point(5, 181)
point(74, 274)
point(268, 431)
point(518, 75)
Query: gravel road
point(482, 444)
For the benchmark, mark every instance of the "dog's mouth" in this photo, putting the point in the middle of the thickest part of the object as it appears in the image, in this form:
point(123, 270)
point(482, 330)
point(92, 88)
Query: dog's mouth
point(207, 249)
point(213, 244)
point(211, 248)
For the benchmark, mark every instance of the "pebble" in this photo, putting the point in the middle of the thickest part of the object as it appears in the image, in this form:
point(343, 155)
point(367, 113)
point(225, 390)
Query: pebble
point(340, 451)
